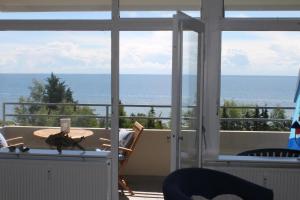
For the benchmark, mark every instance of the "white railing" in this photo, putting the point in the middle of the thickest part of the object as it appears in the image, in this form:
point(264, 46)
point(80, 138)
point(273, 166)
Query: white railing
point(107, 108)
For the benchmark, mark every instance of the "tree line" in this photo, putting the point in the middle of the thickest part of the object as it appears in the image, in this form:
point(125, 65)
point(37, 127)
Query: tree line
point(56, 91)
point(260, 119)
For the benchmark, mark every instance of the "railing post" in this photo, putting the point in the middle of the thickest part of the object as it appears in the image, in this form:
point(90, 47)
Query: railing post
point(3, 114)
point(106, 116)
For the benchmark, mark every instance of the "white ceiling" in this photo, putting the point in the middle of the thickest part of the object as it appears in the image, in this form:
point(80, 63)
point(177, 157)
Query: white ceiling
point(93, 5)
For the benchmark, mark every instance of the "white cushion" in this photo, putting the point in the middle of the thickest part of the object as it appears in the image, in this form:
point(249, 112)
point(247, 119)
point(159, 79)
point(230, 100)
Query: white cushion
point(125, 137)
point(3, 142)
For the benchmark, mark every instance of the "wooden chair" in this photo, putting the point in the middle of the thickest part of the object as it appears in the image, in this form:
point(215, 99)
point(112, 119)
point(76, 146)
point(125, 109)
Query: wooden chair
point(10, 142)
point(125, 153)
point(271, 152)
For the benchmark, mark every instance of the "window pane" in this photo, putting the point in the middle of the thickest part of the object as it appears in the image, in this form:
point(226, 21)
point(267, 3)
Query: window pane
point(56, 15)
point(79, 59)
point(157, 9)
point(262, 14)
point(155, 14)
point(88, 9)
point(145, 75)
point(259, 75)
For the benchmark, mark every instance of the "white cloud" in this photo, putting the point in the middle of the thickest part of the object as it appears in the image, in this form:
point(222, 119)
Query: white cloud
point(267, 53)
point(59, 56)
point(249, 53)
point(146, 52)
point(141, 52)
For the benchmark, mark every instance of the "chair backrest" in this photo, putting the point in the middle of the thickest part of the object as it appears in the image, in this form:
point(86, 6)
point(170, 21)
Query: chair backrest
point(137, 131)
point(271, 152)
point(185, 183)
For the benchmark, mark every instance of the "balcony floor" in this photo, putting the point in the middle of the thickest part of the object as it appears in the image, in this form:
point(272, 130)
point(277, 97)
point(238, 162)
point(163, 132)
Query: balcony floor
point(144, 187)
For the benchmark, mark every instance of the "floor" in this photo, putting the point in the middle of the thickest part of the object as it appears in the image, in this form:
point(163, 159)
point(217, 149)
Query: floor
point(144, 187)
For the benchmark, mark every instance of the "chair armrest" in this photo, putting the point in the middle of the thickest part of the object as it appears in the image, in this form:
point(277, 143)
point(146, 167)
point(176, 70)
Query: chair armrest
point(125, 149)
point(104, 139)
point(16, 138)
point(120, 148)
point(17, 144)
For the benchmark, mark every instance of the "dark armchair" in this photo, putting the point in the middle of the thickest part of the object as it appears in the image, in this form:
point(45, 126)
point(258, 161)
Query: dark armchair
point(185, 183)
point(271, 152)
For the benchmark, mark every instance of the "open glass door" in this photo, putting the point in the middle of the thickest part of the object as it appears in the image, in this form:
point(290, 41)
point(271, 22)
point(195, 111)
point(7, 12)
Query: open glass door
point(187, 84)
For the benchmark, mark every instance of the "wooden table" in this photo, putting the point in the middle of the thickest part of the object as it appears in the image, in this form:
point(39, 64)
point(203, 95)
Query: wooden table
point(74, 133)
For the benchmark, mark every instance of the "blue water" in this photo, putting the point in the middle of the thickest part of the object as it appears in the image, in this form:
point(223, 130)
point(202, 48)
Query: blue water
point(260, 90)
point(155, 89)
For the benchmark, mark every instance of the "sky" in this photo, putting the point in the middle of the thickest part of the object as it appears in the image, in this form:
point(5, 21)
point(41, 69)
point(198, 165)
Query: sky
point(243, 53)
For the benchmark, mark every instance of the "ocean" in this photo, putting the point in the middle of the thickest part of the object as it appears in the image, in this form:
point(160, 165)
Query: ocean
point(154, 89)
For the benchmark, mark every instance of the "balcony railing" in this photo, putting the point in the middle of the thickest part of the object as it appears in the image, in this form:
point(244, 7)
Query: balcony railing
point(106, 108)
point(6, 112)
point(285, 108)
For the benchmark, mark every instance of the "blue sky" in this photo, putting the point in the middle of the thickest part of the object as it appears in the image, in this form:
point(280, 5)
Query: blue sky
point(243, 53)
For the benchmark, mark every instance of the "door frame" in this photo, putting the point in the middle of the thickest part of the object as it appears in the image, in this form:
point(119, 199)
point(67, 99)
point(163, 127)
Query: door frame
point(182, 22)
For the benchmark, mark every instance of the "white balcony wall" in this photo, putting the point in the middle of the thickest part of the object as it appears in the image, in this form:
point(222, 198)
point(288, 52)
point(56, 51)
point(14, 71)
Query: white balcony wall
point(152, 154)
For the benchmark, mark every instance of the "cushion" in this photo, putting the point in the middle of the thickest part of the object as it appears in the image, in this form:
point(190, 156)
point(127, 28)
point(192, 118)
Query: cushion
point(125, 137)
point(3, 142)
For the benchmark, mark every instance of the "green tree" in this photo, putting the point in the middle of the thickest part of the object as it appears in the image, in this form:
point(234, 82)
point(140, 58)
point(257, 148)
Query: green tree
point(256, 115)
point(264, 115)
point(123, 122)
point(233, 113)
point(278, 113)
point(140, 117)
point(151, 120)
point(224, 115)
point(54, 91)
point(247, 124)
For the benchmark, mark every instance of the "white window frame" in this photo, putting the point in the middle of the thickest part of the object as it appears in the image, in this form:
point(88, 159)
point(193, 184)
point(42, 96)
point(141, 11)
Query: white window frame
point(213, 15)
point(212, 12)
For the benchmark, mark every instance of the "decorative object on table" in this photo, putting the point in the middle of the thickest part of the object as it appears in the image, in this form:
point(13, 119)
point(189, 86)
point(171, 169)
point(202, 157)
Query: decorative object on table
point(62, 139)
point(65, 124)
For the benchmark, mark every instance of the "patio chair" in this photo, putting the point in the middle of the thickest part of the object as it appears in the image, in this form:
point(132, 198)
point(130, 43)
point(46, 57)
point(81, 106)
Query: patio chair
point(271, 152)
point(12, 143)
point(128, 143)
point(185, 183)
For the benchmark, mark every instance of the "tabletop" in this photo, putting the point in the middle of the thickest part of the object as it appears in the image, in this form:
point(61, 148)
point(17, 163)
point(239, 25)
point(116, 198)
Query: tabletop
point(74, 133)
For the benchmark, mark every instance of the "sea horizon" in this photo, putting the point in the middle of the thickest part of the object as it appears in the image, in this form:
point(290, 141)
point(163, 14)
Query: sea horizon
point(153, 89)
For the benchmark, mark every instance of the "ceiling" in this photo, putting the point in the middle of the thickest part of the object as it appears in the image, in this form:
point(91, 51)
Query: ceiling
point(93, 5)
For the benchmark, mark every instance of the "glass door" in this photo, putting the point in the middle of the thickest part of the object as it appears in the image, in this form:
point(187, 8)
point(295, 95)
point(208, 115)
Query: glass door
point(187, 84)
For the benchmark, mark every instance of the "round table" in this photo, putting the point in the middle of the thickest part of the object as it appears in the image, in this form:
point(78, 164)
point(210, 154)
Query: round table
point(74, 133)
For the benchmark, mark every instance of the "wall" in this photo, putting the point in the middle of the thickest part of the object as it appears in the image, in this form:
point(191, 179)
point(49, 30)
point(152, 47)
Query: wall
point(234, 142)
point(152, 154)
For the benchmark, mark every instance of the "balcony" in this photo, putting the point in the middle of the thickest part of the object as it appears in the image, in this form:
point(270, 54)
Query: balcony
point(150, 162)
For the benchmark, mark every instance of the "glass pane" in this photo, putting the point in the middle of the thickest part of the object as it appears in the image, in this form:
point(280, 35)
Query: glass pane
point(262, 8)
point(155, 14)
point(69, 69)
point(88, 9)
point(258, 86)
point(145, 77)
point(147, 14)
point(56, 15)
point(189, 142)
point(262, 14)
point(157, 9)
